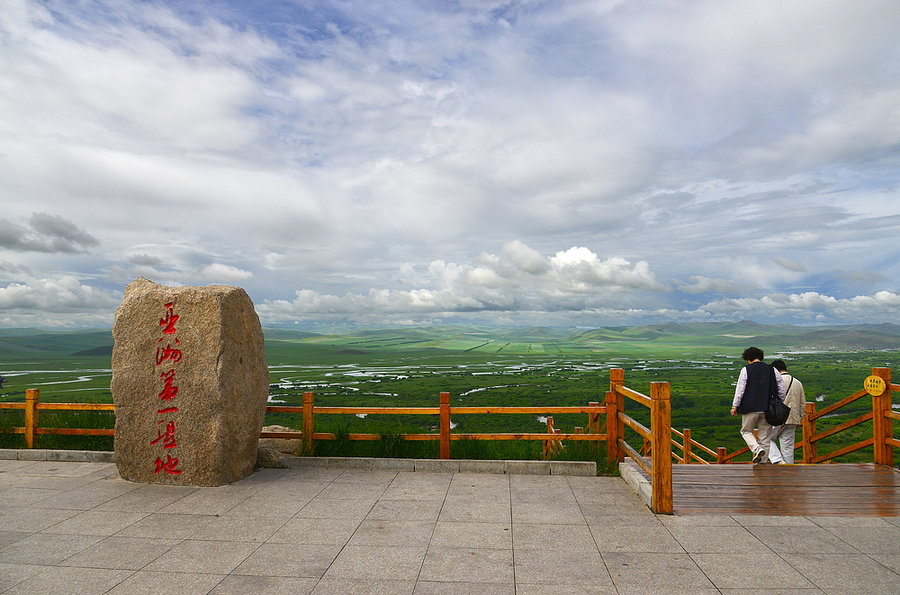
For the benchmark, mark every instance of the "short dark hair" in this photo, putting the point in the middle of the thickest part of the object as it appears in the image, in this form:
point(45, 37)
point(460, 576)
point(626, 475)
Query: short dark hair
point(752, 353)
point(779, 365)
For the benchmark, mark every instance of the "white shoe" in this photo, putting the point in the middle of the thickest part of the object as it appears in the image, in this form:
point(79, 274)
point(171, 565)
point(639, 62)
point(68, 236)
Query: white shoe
point(759, 456)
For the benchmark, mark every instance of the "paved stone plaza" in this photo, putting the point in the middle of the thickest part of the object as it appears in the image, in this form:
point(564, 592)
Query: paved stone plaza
point(76, 527)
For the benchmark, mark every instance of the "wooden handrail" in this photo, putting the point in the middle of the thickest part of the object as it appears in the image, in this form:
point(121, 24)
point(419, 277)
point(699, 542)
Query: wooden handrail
point(32, 405)
point(634, 396)
point(835, 406)
point(847, 424)
point(636, 426)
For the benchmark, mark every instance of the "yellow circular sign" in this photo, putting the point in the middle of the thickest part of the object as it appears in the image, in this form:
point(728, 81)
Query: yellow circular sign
point(875, 385)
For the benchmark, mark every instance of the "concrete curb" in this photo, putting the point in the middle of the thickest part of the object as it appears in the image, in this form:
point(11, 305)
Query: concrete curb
point(632, 475)
point(584, 468)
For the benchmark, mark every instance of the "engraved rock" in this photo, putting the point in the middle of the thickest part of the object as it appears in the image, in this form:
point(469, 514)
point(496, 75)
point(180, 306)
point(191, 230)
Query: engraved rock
point(189, 382)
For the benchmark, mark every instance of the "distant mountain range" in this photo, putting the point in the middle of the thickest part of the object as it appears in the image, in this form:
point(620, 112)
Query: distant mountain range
point(649, 339)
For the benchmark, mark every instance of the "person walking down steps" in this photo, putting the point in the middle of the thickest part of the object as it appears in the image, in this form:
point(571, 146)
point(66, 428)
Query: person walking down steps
point(756, 382)
point(783, 450)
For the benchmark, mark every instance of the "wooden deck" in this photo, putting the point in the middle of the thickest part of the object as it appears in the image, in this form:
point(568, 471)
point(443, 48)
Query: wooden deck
point(787, 490)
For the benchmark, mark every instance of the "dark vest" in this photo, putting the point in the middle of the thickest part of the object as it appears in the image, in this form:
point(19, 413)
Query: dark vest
point(760, 384)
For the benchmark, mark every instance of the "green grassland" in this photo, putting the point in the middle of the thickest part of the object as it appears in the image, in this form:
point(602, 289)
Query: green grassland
point(488, 366)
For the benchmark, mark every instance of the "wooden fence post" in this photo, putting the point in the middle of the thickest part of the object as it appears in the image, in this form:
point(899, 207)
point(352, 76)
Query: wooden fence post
point(810, 448)
point(721, 454)
point(593, 425)
point(612, 437)
point(445, 425)
point(32, 398)
point(687, 445)
point(881, 423)
point(308, 423)
point(615, 428)
point(661, 432)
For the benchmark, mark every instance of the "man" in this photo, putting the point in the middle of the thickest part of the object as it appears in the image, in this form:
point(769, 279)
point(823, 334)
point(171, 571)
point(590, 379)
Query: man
point(783, 452)
point(756, 382)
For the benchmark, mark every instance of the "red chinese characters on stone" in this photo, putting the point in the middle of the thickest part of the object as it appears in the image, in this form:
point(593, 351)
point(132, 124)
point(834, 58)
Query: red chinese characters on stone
point(168, 352)
point(169, 466)
point(169, 391)
point(165, 434)
point(168, 323)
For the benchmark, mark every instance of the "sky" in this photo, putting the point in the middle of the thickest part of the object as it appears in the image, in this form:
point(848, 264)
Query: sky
point(558, 163)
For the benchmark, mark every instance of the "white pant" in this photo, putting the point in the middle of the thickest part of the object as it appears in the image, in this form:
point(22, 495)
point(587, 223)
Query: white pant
point(785, 435)
point(748, 422)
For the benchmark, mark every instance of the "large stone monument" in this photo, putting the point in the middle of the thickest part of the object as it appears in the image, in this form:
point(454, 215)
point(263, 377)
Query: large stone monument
point(189, 382)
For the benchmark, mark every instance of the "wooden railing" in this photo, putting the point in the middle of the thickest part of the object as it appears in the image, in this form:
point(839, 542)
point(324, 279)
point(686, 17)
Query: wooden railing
point(310, 410)
point(661, 442)
point(551, 439)
point(32, 406)
point(659, 468)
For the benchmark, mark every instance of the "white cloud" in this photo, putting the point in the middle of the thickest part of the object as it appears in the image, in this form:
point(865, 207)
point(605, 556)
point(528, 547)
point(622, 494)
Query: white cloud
point(60, 302)
point(701, 284)
point(374, 157)
point(224, 273)
point(810, 307)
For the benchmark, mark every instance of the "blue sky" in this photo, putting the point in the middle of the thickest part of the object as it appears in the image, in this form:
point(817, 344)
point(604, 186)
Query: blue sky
point(551, 163)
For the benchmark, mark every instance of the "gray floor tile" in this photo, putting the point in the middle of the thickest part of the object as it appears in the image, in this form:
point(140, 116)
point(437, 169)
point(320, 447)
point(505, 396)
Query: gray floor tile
point(72, 581)
point(148, 498)
point(729, 540)
point(851, 521)
point(529, 536)
point(213, 501)
point(653, 539)
point(468, 565)
point(32, 520)
point(289, 559)
point(22, 496)
point(891, 561)
point(559, 512)
point(762, 520)
point(93, 522)
point(700, 520)
point(8, 537)
point(869, 540)
point(460, 588)
point(796, 540)
point(406, 510)
point(462, 535)
point(544, 567)
point(203, 557)
point(460, 510)
point(393, 533)
point(233, 528)
point(329, 586)
point(845, 572)
point(653, 572)
point(315, 531)
point(372, 562)
point(46, 549)
point(277, 506)
point(750, 571)
point(538, 589)
point(166, 526)
point(321, 508)
point(264, 585)
point(125, 553)
point(359, 492)
point(146, 582)
point(13, 574)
